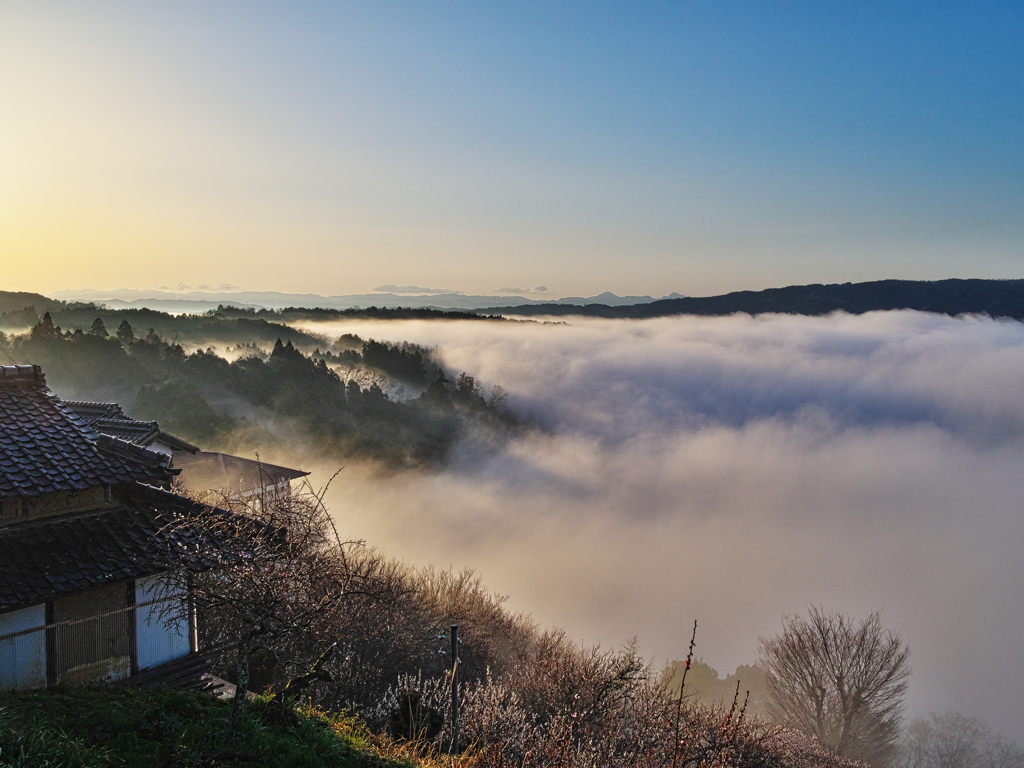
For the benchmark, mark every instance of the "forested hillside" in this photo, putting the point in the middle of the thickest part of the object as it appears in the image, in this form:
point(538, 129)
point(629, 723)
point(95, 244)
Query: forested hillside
point(192, 329)
point(270, 394)
point(996, 298)
point(226, 324)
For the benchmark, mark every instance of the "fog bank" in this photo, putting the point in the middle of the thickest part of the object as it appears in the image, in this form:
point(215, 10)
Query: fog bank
point(732, 470)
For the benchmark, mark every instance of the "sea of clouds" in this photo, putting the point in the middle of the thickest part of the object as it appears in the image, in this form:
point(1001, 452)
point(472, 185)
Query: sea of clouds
point(732, 470)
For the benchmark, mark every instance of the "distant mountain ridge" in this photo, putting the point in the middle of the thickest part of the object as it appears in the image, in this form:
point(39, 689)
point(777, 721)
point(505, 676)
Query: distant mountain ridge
point(996, 298)
point(12, 301)
point(201, 301)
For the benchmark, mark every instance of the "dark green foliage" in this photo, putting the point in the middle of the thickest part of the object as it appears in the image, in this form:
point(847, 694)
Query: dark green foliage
point(12, 301)
point(294, 314)
point(403, 364)
point(197, 329)
point(261, 402)
point(704, 686)
point(181, 409)
point(412, 718)
point(18, 319)
point(89, 728)
point(45, 329)
point(125, 334)
point(98, 328)
point(346, 357)
point(349, 341)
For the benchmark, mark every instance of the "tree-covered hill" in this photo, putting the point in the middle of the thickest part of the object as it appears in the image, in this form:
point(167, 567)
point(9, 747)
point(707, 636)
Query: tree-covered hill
point(19, 309)
point(12, 301)
point(26, 309)
point(299, 314)
point(996, 298)
point(225, 325)
point(265, 400)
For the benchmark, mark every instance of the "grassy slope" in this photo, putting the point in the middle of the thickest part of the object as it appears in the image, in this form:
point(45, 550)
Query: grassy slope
point(109, 726)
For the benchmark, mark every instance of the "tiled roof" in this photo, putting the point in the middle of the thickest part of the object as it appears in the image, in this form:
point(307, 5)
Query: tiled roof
point(49, 558)
point(45, 447)
point(90, 413)
point(110, 419)
point(138, 432)
point(208, 471)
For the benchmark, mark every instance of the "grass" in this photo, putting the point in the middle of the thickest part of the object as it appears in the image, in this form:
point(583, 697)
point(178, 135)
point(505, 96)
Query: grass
point(109, 726)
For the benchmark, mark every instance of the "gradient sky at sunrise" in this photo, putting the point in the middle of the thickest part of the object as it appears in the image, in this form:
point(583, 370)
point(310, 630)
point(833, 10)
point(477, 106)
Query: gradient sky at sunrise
point(649, 147)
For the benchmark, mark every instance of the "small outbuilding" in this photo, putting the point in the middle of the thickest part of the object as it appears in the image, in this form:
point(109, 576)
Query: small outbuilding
point(234, 478)
point(236, 481)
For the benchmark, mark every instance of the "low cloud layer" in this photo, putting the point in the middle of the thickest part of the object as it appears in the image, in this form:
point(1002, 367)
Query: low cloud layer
point(732, 470)
point(538, 289)
point(418, 289)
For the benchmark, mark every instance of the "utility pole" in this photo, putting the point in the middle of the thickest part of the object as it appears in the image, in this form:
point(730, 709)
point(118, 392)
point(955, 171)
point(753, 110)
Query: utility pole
point(455, 689)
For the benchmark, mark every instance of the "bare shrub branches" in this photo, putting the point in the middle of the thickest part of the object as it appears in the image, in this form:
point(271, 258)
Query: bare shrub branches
point(273, 574)
point(346, 621)
point(953, 740)
point(587, 708)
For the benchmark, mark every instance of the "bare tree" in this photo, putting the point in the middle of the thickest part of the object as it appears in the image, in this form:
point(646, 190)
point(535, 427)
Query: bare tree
point(953, 740)
point(269, 578)
point(839, 680)
point(1002, 753)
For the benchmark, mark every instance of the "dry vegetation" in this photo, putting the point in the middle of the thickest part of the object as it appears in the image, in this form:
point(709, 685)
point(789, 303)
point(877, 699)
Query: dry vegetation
point(336, 625)
point(324, 625)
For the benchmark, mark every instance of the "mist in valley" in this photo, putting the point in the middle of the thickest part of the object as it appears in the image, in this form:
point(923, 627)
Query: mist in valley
point(733, 470)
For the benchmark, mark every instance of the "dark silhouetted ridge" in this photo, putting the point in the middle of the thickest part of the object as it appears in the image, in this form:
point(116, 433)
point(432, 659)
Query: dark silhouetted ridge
point(996, 298)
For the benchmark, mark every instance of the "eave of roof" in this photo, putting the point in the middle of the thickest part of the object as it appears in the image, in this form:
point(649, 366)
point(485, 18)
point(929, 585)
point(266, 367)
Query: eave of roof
point(59, 556)
point(46, 447)
point(208, 470)
point(110, 419)
point(89, 411)
point(175, 443)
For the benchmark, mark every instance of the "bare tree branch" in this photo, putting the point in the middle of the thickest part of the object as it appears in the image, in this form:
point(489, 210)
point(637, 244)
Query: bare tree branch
point(840, 681)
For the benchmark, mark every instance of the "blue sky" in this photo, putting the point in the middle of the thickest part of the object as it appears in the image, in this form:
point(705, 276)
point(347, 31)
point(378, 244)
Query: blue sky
point(635, 147)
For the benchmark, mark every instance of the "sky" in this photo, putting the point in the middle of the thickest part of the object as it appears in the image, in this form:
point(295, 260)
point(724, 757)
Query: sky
point(731, 471)
point(585, 146)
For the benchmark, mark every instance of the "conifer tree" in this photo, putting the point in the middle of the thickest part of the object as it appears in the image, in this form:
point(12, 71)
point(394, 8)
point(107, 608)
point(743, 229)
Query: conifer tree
point(125, 334)
point(45, 328)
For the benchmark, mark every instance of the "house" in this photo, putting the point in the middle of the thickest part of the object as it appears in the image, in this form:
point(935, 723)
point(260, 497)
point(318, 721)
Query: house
point(84, 538)
point(109, 419)
point(232, 478)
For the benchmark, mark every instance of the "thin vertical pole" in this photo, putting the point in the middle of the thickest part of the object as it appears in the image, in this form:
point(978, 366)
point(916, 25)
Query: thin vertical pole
point(455, 688)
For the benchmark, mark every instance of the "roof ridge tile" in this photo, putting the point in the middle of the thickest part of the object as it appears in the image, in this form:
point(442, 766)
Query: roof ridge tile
point(19, 374)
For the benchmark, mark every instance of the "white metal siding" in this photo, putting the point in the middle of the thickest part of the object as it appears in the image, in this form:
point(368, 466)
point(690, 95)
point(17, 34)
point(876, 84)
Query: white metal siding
point(156, 640)
point(159, 447)
point(23, 656)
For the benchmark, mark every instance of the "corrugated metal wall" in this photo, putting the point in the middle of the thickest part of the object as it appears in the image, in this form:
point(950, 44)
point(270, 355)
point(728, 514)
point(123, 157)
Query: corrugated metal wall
point(163, 630)
point(94, 636)
point(23, 648)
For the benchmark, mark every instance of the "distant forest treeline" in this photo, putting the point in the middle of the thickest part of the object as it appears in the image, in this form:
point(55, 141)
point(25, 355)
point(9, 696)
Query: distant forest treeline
point(298, 314)
point(225, 325)
point(996, 298)
point(271, 400)
point(188, 329)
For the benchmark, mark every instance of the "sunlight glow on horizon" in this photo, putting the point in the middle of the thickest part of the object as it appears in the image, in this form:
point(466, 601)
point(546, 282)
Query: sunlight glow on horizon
point(694, 148)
